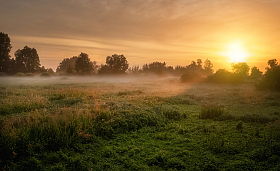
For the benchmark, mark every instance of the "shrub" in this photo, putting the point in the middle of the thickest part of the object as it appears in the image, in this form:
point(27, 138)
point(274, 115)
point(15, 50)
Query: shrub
point(211, 112)
point(45, 74)
point(271, 80)
point(3, 74)
point(223, 76)
point(173, 114)
point(191, 77)
point(20, 74)
point(29, 74)
point(239, 126)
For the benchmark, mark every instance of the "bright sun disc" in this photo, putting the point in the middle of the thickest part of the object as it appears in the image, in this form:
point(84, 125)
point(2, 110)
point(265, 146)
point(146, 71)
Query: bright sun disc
point(235, 52)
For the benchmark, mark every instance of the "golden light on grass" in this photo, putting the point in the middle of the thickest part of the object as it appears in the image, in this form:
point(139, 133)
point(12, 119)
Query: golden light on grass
point(235, 52)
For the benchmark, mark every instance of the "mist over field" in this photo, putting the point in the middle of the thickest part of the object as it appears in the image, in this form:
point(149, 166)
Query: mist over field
point(133, 79)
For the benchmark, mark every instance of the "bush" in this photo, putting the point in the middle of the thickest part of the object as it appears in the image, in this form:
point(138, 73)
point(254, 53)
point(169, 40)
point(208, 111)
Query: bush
point(29, 74)
point(20, 74)
point(191, 77)
point(45, 74)
point(271, 80)
point(223, 76)
point(3, 74)
point(172, 113)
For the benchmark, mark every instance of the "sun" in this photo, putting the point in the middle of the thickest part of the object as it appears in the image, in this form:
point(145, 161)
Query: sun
point(235, 52)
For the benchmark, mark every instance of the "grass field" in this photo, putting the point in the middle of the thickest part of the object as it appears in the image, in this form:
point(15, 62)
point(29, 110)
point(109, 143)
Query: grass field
point(136, 123)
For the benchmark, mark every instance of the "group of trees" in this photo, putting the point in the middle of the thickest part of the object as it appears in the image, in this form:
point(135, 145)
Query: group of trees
point(81, 64)
point(26, 60)
point(269, 80)
point(195, 72)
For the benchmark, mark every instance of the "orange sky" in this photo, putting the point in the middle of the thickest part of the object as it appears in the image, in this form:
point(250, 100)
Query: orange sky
point(174, 31)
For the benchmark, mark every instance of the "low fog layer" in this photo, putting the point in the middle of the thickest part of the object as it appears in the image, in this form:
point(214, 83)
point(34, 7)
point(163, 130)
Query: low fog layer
point(36, 80)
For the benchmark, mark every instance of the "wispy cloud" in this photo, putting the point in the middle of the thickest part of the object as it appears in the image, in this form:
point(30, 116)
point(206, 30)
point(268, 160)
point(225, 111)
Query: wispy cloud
point(178, 27)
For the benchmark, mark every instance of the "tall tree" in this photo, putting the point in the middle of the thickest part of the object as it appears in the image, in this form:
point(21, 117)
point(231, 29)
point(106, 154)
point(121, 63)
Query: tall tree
point(5, 48)
point(208, 67)
point(272, 63)
point(241, 68)
point(83, 64)
point(255, 72)
point(66, 64)
point(27, 60)
point(155, 67)
point(199, 62)
point(117, 64)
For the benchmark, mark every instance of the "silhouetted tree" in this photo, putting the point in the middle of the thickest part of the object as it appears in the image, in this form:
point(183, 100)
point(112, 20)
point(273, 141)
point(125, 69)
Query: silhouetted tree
point(208, 67)
point(70, 69)
point(194, 72)
point(195, 67)
point(199, 62)
point(27, 60)
point(13, 66)
point(241, 68)
point(5, 48)
point(49, 70)
point(104, 69)
point(115, 64)
point(83, 64)
point(271, 79)
point(66, 63)
point(158, 68)
point(255, 73)
point(133, 70)
point(272, 63)
point(180, 70)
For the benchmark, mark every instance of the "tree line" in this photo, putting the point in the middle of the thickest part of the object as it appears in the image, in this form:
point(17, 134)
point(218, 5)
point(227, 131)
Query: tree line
point(27, 61)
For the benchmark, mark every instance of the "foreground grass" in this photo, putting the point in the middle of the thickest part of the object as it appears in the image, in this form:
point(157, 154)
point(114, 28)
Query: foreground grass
point(140, 125)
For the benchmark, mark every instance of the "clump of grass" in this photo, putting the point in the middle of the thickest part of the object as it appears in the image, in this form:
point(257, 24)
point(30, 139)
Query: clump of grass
point(124, 93)
point(126, 121)
point(211, 112)
point(174, 114)
point(273, 130)
point(257, 118)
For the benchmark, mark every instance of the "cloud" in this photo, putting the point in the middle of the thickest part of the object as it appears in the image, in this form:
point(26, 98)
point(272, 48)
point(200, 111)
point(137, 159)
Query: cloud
point(147, 27)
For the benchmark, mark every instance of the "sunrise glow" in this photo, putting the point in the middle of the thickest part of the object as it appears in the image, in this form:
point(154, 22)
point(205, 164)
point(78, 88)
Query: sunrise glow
point(235, 52)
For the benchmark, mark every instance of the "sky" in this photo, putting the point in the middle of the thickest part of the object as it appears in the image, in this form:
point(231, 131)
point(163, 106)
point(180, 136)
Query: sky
point(172, 31)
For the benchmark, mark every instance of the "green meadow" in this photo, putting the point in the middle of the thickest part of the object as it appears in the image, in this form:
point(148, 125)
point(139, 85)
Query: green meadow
point(136, 123)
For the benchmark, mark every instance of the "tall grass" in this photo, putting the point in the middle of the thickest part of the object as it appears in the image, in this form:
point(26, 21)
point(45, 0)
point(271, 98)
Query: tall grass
point(211, 112)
